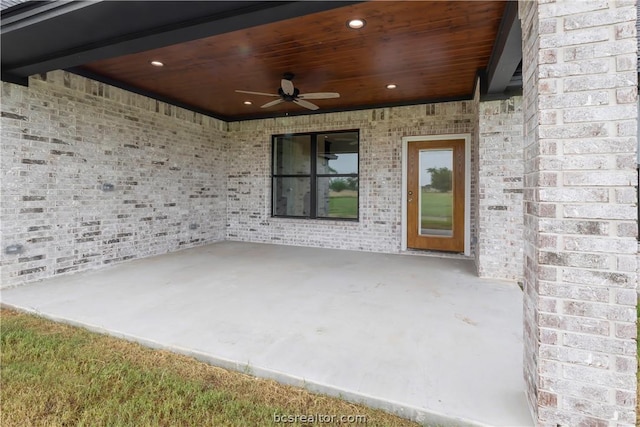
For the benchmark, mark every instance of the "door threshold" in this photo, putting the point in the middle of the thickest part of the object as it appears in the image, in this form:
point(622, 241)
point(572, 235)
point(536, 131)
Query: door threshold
point(435, 254)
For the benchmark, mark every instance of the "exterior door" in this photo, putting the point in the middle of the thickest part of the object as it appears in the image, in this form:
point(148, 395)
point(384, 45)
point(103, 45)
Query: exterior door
point(435, 195)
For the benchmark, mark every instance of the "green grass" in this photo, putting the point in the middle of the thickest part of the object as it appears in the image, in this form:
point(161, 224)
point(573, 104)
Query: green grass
point(343, 204)
point(436, 210)
point(54, 375)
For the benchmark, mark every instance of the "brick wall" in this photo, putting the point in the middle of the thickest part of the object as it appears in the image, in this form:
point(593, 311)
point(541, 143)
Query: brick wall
point(381, 133)
point(500, 169)
point(580, 89)
point(63, 138)
point(530, 30)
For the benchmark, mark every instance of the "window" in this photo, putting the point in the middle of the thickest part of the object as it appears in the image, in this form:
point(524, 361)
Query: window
point(315, 175)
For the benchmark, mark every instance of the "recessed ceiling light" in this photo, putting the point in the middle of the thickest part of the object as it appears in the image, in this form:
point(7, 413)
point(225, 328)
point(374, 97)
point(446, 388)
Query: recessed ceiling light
point(391, 86)
point(356, 24)
point(157, 63)
point(248, 102)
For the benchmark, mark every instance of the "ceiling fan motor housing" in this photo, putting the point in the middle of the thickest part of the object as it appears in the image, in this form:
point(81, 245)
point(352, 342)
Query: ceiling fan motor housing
point(288, 97)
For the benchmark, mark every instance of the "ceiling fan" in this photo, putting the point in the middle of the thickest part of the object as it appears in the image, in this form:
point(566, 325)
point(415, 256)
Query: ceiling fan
point(288, 93)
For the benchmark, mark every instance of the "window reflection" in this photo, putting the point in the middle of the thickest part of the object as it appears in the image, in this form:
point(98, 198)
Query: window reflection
point(338, 153)
point(315, 175)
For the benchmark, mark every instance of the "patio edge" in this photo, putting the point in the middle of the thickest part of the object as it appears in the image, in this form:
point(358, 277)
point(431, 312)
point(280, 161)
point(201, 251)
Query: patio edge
point(412, 413)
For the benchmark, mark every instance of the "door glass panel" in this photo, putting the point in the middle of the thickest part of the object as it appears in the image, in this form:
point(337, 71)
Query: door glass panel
point(436, 193)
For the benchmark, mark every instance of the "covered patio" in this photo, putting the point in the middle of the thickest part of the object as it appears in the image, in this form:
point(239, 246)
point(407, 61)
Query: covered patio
point(419, 336)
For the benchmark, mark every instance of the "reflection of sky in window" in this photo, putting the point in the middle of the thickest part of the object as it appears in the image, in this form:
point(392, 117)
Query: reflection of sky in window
point(345, 163)
point(434, 159)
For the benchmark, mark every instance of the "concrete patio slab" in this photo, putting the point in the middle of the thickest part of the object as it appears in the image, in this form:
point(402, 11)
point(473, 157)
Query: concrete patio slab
point(422, 337)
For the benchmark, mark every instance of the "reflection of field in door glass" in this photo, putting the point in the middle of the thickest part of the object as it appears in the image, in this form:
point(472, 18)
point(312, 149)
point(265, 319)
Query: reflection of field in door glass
point(436, 211)
point(436, 192)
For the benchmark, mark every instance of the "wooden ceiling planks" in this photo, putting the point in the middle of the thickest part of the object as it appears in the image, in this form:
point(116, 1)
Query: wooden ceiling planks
point(430, 49)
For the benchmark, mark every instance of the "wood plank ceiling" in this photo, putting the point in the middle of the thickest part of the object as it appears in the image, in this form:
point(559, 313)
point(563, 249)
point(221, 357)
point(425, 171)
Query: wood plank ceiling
point(430, 49)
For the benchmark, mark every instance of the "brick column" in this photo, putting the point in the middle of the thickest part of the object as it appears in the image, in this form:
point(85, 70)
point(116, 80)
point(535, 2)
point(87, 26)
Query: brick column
point(499, 185)
point(580, 217)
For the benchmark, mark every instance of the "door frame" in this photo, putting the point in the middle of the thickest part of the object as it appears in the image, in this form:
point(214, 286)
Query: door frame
point(467, 183)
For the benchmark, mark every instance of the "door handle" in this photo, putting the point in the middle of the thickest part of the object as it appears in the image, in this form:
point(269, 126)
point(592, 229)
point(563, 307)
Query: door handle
point(411, 193)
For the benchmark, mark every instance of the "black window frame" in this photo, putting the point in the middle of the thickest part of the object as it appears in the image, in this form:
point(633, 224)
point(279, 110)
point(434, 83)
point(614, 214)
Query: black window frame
point(313, 175)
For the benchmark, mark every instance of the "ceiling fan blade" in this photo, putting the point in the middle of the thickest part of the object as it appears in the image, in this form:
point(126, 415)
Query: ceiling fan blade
point(306, 104)
point(287, 86)
point(272, 103)
point(319, 95)
point(256, 93)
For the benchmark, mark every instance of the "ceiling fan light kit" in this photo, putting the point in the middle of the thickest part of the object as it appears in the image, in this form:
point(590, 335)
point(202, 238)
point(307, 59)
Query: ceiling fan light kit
point(287, 92)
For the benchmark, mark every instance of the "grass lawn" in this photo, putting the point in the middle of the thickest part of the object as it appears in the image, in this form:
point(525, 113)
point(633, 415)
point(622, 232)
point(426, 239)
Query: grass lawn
point(54, 375)
point(436, 213)
point(436, 210)
point(343, 204)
